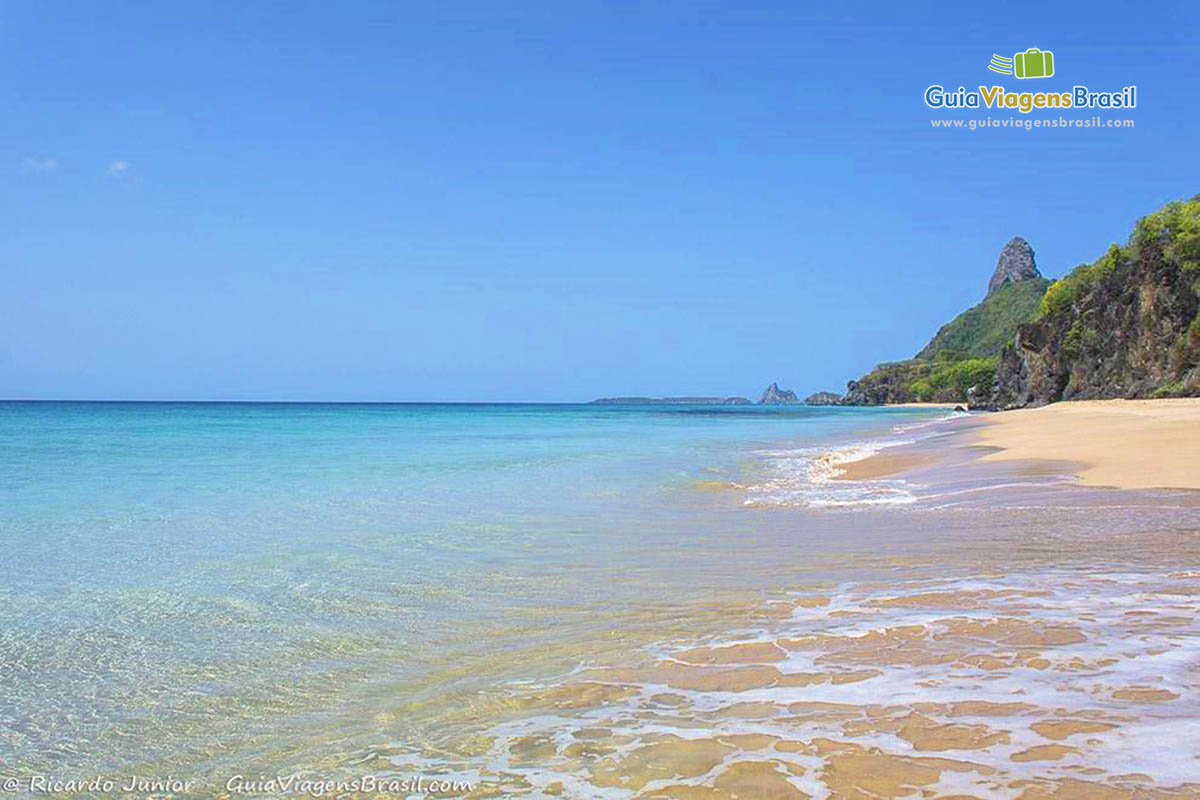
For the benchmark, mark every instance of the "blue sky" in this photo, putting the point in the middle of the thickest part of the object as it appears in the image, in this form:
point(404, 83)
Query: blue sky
point(540, 201)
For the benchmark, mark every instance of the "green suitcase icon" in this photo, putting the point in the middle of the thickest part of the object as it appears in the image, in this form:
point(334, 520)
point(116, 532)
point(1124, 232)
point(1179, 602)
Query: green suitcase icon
point(1034, 63)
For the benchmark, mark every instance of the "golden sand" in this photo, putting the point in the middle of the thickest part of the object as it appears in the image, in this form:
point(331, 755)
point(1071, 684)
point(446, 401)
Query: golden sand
point(1063, 728)
point(1142, 694)
point(1044, 752)
point(1014, 683)
point(882, 465)
point(1127, 444)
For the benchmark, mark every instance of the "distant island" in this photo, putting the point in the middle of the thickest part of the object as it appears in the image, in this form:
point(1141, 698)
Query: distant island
point(771, 396)
point(671, 401)
point(774, 396)
point(823, 399)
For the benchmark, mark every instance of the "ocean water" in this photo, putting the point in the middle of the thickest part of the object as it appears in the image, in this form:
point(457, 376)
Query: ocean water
point(210, 590)
point(175, 567)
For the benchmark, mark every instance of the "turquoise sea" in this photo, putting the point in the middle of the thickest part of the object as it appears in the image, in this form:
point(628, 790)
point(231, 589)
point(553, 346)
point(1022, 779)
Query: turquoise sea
point(214, 589)
point(170, 564)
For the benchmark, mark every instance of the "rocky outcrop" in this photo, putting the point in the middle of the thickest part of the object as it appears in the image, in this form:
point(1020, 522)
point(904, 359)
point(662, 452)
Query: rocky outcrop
point(892, 382)
point(1016, 264)
point(774, 396)
point(823, 399)
point(1123, 326)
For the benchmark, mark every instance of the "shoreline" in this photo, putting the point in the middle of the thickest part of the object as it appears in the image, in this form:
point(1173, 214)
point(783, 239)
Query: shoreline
point(950, 406)
point(1121, 444)
point(677, 661)
point(884, 464)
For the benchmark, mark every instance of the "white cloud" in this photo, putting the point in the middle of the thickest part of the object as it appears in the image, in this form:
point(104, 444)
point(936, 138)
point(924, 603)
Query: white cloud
point(118, 166)
point(39, 164)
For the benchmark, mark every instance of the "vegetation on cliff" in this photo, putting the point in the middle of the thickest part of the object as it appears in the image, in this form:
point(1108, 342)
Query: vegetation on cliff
point(963, 354)
point(946, 378)
point(985, 329)
point(1125, 325)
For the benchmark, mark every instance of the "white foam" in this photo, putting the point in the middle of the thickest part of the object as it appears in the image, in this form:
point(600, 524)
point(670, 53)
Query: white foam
point(807, 476)
point(912, 426)
point(1154, 650)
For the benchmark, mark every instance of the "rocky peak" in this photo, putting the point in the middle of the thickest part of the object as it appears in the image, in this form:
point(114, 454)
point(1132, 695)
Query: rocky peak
point(774, 396)
point(1016, 264)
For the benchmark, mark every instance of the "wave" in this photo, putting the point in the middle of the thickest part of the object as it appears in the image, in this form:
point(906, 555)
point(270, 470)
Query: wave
point(912, 426)
point(809, 476)
point(1067, 680)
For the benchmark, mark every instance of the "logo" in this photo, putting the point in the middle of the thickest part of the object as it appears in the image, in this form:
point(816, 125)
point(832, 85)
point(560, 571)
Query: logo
point(1033, 63)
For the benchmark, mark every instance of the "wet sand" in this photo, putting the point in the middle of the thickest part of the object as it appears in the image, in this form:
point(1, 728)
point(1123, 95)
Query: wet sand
point(1128, 444)
point(1040, 684)
point(884, 464)
point(950, 406)
point(1005, 634)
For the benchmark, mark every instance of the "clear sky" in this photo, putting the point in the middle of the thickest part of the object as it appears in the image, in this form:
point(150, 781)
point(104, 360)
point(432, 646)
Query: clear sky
point(541, 200)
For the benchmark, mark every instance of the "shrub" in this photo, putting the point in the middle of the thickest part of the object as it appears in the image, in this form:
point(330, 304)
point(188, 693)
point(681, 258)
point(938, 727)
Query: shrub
point(1067, 291)
point(921, 391)
point(1172, 389)
point(1178, 225)
point(1187, 346)
point(1081, 338)
point(959, 376)
point(1060, 296)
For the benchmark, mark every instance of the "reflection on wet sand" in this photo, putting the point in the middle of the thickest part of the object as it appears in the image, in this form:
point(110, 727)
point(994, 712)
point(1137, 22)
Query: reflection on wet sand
point(1047, 683)
point(1000, 634)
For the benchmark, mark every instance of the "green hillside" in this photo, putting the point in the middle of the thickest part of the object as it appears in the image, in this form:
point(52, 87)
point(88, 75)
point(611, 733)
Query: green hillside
point(985, 329)
point(964, 353)
point(943, 379)
point(1126, 325)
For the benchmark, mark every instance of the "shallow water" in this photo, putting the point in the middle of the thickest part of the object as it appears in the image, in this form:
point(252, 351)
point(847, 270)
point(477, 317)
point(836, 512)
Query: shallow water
point(559, 598)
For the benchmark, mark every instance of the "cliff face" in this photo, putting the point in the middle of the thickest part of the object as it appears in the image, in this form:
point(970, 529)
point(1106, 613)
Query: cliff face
point(1015, 264)
point(1123, 326)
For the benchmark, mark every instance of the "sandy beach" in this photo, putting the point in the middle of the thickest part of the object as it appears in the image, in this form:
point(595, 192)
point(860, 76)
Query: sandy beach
point(1123, 444)
point(1127, 444)
point(883, 464)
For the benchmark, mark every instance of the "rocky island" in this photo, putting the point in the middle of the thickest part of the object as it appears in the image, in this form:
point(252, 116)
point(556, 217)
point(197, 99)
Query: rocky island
point(774, 396)
point(671, 401)
point(823, 399)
